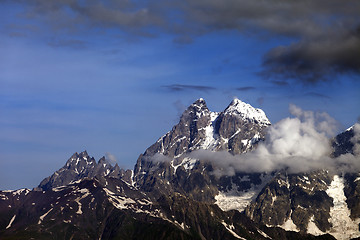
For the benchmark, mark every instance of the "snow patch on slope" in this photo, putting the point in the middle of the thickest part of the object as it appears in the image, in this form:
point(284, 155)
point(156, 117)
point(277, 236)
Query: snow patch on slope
point(210, 139)
point(234, 200)
point(44, 215)
point(264, 234)
point(11, 222)
point(230, 229)
point(343, 226)
point(118, 201)
point(77, 200)
point(239, 200)
point(289, 225)
point(313, 229)
point(187, 163)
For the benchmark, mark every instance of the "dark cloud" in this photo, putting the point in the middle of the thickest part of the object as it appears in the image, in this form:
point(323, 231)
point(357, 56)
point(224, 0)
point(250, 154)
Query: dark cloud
point(245, 88)
point(305, 18)
point(315, 60)
point(325, 40)
point(324, 33)
point(181, 87)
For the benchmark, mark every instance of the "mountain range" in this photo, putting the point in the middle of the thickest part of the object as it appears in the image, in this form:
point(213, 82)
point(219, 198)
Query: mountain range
point(176, 192)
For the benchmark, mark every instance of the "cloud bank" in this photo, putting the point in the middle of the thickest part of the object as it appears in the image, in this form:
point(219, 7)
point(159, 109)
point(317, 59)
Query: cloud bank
point(325, 34)
point(316, 59)
point(301, 143)
point(298, 144)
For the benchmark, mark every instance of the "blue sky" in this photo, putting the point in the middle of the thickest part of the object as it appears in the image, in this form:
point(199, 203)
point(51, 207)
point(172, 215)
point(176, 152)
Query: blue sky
point(114, 76)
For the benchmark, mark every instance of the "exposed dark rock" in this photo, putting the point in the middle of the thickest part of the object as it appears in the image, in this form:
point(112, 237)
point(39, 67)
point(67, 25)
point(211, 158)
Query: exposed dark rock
point(299, 197)
point(352, 193)
point(342, 143)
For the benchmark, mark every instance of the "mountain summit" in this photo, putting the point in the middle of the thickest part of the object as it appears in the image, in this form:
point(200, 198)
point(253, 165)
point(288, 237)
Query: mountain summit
point(247, 112)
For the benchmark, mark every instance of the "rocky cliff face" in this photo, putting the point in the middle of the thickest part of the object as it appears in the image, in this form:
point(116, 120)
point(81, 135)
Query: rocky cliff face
point(294, 198)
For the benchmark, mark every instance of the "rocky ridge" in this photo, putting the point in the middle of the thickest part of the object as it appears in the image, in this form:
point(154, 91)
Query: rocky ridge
point(79, 166)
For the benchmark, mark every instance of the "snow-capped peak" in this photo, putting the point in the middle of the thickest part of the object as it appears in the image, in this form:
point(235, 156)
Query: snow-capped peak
point(350, 128)
point(246, 111)
point(199, 103)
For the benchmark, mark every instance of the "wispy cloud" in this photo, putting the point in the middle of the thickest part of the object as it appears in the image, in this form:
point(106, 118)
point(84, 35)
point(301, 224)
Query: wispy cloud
point(110, 158)
point(245, 88)
point(180, 107)
point(260, 100)
point(317, 95)
point(181, 87)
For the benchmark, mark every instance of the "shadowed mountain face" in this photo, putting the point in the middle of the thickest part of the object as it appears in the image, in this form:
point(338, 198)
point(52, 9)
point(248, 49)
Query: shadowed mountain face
point(343, 144)
point(173, 195)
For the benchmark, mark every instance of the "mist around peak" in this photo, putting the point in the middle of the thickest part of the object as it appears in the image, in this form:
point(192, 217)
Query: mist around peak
point(301, 143)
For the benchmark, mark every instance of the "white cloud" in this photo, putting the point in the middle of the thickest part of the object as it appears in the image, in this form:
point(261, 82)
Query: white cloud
point(158, 157)
point(299, 144)
point(110, 158)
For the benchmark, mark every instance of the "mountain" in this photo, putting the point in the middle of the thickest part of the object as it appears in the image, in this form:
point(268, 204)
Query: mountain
point(79, 166)
point(172, 193)
point(237, 129)
point(312, 202)
point(168, 166)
